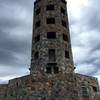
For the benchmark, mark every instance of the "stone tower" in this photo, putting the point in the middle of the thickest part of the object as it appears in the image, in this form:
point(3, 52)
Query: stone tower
point(51, 46)
point(52, 63)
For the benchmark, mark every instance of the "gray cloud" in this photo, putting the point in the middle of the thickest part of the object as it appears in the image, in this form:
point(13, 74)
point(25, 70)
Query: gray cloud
point(91, 15)
point(86, 39)
point(15, 37)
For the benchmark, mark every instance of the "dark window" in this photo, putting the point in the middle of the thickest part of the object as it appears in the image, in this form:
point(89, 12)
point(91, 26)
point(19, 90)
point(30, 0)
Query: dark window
point(17, 84)
point(66, 54)
point(11, 95)
point(50, 20)
point(43, 98)
point(65, 37)
point(63, 11)
point(50, 7)
point(48, 70)
point(36, 55)
point(36, 2)
point(51, 35)
point(38, 24)
point(94, 88)
point(52, 56)
point(85, 97)
point(64, 23)
point(52, 67)
point(63, 1)
point(37, 38)
point(37, 11)
point(56, 69)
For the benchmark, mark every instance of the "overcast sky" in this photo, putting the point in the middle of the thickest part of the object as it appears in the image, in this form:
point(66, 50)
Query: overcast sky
point(16, 34)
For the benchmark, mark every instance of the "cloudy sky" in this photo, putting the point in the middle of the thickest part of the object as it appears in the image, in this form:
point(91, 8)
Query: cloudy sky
point(16, 35)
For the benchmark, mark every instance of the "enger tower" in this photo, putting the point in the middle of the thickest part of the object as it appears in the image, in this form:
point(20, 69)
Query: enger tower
point(52, 60)
point(51, 47)
point(52, 75)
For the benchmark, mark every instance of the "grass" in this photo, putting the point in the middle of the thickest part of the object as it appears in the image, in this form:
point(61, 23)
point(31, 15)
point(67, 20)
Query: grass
point(4, 99)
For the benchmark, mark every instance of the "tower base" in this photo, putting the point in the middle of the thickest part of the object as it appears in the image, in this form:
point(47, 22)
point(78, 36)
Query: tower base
point(65, 86)
point(57, 87)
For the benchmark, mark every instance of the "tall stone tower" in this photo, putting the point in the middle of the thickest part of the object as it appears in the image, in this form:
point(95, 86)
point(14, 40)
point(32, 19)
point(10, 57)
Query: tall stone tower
point(51, 46)
point(52, 63)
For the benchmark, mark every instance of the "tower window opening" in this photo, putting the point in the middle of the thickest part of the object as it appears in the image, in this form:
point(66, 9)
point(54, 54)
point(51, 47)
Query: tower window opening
point(50, 7)
point(37, 11)
point(56, 69)
point(37, 38)
point(52, 56)
point(48, 70)
point(51, 35)
point(43, 98)
point(64, 23)
point(94, 88)
point(66, 54)
point(50, 20)
point(36, 55)
point(52, 68)
point(38, 24)
point(63, 11)
point(65, 37)
point(17, 84)
point(63, 1)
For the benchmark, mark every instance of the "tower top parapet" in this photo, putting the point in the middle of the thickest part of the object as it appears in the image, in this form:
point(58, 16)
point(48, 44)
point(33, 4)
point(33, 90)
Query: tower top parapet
point(36, 1)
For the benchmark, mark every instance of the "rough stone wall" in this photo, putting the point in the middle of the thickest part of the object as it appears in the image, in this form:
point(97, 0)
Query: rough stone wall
point(91, 85)
point(3, 90)
point(59, 87)
point(19, 88)
point(50, 88)
point(98, 95)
